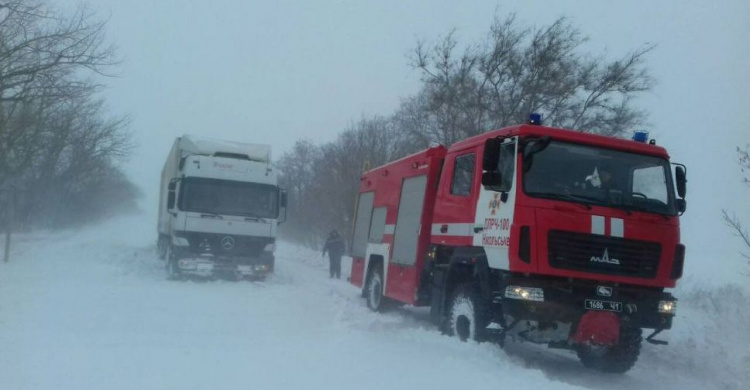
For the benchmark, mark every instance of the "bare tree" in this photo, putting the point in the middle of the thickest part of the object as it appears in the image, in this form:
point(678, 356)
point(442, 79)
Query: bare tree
point(41, 58)
point(298, 177)
point(518, 70)
point(58, 143)
point(466, 91)
point(732, 221)
point(79, 147)
point(323, 181)
point(744, 161)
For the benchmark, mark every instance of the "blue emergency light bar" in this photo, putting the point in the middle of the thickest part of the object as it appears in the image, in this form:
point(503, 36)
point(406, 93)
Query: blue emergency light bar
point(640, 136)
point(535, 119)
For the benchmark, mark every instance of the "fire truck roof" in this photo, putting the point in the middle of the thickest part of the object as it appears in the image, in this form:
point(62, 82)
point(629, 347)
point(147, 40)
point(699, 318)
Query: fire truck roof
point(564, 135)
point(533, 131)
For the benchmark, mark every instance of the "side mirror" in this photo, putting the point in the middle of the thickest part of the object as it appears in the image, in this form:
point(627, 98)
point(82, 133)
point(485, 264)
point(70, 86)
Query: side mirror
point(283, 198)
point(491, 154)
point(171, 196)
point(681, 205)
point(492, 179)
point(680, 174)
point(282, 207)
point(170, 200)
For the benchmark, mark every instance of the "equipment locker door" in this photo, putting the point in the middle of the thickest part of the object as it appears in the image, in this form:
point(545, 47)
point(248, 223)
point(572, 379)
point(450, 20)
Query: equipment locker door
point(401, 282)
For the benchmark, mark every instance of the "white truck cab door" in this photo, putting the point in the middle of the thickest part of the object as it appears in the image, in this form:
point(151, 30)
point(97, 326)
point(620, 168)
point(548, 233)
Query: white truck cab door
point(494, 213)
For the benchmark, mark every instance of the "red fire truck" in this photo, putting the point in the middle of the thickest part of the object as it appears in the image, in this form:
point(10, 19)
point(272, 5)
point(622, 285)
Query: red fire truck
point(546, 235)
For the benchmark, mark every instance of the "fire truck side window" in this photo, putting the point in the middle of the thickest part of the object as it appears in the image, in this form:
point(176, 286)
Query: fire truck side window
point(463, 175)
point(507, 164)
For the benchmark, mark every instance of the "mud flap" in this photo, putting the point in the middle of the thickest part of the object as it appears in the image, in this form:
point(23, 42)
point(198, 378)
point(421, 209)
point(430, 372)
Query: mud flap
point(598, 328)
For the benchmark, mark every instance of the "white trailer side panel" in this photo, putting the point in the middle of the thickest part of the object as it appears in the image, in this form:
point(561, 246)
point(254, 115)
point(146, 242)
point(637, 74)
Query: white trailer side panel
point(170, 171)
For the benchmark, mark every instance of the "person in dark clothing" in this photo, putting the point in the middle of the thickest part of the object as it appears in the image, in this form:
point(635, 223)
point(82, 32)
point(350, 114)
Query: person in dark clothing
point(335, 248)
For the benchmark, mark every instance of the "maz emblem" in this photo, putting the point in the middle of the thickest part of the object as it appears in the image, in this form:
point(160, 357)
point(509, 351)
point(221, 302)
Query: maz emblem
point(604, 291)
point(605, 259)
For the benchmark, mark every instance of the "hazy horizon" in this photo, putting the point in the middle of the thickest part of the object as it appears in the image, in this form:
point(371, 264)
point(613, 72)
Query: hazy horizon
point(275, 73)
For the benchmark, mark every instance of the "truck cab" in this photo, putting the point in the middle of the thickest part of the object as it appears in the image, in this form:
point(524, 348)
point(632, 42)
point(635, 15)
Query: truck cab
point(220, 209)
point(546, 235)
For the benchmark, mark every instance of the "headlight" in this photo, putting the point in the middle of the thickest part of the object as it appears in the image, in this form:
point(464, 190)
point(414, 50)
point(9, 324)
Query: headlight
point(524, 293)
point(667, 307)
point(180, 241)
point(269, 247)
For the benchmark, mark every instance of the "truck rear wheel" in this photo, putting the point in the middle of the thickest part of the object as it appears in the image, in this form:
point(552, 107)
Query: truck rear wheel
point(617, 359)
point(374, 289)
point(467, 316)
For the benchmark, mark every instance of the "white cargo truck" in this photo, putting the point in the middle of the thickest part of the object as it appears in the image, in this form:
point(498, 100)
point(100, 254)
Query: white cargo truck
point(219, 209)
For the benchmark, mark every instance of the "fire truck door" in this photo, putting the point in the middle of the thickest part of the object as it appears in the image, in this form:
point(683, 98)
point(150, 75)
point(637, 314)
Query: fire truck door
point(494, 214)
point(401, 282)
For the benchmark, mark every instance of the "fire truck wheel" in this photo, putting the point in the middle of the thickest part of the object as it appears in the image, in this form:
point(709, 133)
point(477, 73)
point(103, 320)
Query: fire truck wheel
point(467, 318)
point(617, 359)
point(374, 292)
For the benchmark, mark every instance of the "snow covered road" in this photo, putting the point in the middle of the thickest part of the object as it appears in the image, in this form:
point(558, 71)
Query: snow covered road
point(92, 310)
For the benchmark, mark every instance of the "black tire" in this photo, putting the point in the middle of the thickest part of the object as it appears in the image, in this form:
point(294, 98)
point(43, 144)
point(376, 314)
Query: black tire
point(173, 271)
point(467, 314)
point(376, 301)
point(614, 360)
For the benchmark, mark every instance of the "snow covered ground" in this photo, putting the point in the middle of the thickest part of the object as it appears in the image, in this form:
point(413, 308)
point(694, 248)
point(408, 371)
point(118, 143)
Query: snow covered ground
point(91, 309)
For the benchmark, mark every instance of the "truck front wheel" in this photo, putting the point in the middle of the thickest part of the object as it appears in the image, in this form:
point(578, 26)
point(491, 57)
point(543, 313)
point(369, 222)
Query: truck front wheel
point(616, 359)
point(467, 317)
point(374, 289)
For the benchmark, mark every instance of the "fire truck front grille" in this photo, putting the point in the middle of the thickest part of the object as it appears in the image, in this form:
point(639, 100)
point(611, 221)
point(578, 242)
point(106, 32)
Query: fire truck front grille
point(603, 254)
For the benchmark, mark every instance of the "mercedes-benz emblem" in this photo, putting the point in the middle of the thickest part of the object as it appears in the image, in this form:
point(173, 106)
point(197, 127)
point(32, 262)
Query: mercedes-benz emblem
point(227, 243)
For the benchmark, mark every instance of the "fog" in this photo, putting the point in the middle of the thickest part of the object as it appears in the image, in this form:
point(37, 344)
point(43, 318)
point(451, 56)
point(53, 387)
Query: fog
point(90, 308)
point(276, 72)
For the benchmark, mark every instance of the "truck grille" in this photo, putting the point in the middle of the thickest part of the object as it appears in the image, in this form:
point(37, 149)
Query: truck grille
point(212, 243)
point(603, 254)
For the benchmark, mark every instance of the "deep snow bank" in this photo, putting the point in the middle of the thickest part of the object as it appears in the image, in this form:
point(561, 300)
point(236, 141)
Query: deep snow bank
point(91, 310)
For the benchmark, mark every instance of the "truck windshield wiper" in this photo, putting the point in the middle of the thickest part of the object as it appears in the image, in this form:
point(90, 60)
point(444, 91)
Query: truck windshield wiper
point(254, 218)
point(582, 200)
point(206, 214)
point(629, 210)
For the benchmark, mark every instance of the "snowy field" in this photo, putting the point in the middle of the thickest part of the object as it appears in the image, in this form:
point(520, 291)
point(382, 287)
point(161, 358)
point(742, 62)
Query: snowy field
point(91, 309)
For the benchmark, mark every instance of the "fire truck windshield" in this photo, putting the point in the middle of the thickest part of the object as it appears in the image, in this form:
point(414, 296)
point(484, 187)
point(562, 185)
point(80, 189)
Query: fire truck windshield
point(225, 197)
point(597, 176)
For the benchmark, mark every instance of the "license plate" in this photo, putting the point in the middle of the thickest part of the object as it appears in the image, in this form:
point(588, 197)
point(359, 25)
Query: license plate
point(204, 267)
point(595, 304)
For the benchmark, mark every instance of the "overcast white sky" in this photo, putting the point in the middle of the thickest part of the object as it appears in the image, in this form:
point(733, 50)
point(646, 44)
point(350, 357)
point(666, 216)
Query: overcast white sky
point(275, 71)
